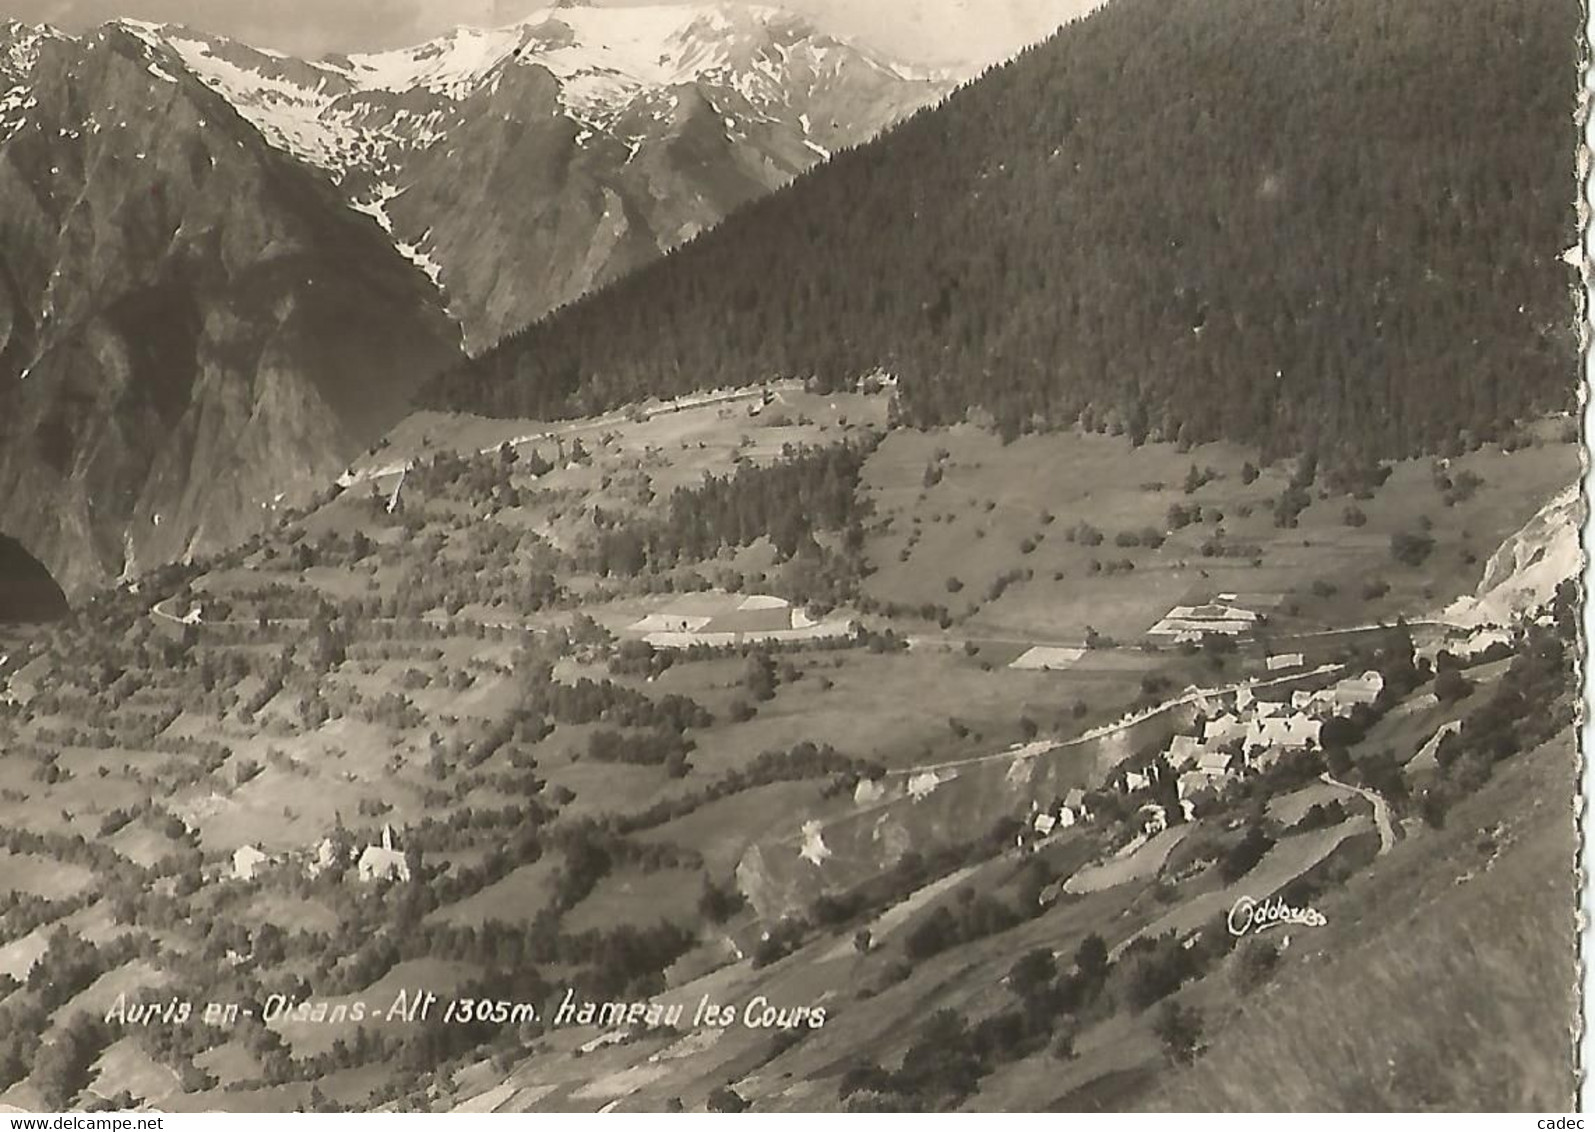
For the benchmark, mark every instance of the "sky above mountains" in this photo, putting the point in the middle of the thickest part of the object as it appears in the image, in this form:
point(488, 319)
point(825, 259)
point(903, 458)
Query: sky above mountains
point(959, 33)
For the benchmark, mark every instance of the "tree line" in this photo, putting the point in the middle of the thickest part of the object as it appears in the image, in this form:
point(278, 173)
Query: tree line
point(1301, 224)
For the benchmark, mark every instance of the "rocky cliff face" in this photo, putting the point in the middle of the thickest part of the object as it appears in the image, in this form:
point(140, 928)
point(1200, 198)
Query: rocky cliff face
point(190, 324)
point(1523, 574)
point(27, 592)
point(222, 270)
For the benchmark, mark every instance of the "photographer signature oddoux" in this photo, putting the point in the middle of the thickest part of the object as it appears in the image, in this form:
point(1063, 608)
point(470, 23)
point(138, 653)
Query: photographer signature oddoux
point(1252, 915)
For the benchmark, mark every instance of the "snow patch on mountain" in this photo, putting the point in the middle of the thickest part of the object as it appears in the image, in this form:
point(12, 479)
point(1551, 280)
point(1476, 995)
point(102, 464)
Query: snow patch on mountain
point(338, 114)
point(429, 267)
point(454, 65)
point(608, 116)
point(19, 54)
point(293, 117)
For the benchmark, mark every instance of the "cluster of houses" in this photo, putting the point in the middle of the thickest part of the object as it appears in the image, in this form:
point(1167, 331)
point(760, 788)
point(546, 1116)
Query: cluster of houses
point(1241, 732)
point(1237, 732)
point(1469, 646)
point(1044, 821)
point(383, 861)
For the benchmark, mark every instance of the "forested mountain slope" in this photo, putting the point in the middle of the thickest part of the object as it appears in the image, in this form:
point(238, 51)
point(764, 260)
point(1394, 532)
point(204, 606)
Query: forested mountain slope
point(224, 270)
point(1308, 222)
point(521, 166)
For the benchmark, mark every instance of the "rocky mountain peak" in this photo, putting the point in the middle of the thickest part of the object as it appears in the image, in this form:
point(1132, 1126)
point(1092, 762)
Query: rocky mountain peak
point(226, 268)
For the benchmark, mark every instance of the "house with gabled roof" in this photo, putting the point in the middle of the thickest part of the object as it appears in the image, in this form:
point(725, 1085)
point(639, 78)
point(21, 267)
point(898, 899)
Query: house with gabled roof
point(324, 858)
point(1356, 690)
point(1224, 729)
point(1193, 622)
point(1271, 738)
point(1292, 732)
point(1074, 808)
point(1214, 764)
point(1308, 730)
point(1212, 770)
point(1184, 751)
point(248, 860)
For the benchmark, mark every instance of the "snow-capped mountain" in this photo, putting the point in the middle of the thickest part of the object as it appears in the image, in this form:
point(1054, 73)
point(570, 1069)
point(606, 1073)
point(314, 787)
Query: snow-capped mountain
point(520, 166)
point(965, 35)
point(223, 270)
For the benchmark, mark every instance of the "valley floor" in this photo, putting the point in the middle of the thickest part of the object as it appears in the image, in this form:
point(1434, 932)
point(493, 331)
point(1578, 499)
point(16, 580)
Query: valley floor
point(428, 735)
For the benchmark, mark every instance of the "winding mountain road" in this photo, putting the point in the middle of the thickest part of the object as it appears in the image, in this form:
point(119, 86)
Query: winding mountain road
point(1123, 724)
point(279, 622)
point(1382, 818)
point(353, 477)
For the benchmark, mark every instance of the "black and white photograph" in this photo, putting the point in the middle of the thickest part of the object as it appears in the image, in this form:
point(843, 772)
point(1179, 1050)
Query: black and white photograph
point(822, 556)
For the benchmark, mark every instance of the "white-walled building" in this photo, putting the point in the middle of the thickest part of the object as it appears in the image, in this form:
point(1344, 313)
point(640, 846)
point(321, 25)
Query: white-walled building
point(248, 861)
point(383, 862)
point(1357, 690)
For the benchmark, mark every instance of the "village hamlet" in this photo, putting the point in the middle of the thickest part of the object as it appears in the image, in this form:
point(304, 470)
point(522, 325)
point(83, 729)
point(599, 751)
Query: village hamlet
point(811, 556)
